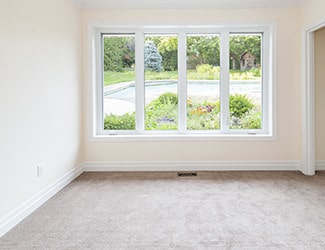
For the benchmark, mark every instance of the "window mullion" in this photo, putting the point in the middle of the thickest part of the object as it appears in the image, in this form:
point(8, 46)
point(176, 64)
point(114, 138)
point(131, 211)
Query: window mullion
point(139, 81)
point(224, 82)
point(182, 87)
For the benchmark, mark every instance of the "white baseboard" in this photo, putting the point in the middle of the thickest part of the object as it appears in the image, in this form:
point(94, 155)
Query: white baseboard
point(189, 165)
point(320, 165)
point(25, 209)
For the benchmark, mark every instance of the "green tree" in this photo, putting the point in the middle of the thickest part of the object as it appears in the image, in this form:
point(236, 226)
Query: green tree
point(118, 53)
point(203, 49)
point(239, 44)
point(168, 47)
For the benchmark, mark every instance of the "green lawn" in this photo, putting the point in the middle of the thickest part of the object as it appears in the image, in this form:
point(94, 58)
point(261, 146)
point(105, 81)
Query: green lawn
point(112, 77)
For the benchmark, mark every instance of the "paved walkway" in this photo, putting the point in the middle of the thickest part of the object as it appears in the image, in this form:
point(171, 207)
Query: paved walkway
point(118, 107)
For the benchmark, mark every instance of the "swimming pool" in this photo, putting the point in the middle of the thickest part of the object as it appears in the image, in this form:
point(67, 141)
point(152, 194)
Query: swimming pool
point(203, 88)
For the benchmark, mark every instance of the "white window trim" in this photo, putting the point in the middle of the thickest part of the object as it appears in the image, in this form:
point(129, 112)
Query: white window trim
point(95, 78)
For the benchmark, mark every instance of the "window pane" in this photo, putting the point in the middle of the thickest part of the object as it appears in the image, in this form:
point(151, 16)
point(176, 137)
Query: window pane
point(203, 85)
point(119, 82)
point(245, 102)
point(160, 71)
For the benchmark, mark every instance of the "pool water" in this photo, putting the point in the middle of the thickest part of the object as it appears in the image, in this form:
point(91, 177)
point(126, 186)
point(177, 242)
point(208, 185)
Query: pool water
point(203, 88)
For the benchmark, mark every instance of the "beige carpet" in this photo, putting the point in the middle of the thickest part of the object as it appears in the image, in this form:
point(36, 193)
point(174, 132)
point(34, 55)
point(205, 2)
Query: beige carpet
point(221, 210)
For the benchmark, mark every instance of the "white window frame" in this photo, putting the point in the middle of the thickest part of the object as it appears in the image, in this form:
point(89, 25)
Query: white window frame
point(97, 133)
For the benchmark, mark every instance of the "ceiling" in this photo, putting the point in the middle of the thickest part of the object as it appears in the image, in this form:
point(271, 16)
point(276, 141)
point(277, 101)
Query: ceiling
point(185, 4)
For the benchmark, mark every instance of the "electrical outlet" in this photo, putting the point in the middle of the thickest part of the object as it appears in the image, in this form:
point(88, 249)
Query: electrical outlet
point(40, 170)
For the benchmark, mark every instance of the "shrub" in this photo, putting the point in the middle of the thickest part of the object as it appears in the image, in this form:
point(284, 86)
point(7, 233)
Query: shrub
point(119, 122)
point(208, 72)
point(161, 113)
point(203, 121)
point(252, 120)
point(239, 105)
point(204, 68)
point(168, 98)
point(207, 68)
point(252, 74)
point(257, 72)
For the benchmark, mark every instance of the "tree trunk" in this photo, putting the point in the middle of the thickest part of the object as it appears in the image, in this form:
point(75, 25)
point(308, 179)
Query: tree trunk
point(233, 63)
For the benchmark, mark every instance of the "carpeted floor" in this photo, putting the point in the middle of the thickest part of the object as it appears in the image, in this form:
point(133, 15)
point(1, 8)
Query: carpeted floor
point(219, 210)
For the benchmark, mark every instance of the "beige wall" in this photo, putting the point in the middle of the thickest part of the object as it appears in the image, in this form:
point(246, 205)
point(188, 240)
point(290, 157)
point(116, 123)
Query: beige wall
point(39, 96)
point(287, 146)
point(320, 93)
point(312, 12)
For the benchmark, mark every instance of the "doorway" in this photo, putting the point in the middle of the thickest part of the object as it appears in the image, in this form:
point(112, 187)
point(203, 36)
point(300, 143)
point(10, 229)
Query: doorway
point(313, 90)
point(319, 83)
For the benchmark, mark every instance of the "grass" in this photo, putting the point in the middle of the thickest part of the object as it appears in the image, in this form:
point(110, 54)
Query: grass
point(112, 77)
point(170, 75)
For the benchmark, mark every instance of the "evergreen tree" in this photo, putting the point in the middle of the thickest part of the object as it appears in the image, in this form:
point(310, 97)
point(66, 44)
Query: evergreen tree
point(152, 58)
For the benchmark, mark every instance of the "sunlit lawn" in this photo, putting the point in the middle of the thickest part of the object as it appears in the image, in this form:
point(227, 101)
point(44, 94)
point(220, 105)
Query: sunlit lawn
point(112, 77)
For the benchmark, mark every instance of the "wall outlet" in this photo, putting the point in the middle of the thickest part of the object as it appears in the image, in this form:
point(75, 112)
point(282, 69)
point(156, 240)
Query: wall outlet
point(40, 170)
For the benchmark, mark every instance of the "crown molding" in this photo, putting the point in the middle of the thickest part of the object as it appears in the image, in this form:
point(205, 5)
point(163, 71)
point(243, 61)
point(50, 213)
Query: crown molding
point(184, 4)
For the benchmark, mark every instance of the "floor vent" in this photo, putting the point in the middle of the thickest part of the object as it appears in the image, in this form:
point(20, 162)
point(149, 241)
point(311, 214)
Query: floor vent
point(186, 174)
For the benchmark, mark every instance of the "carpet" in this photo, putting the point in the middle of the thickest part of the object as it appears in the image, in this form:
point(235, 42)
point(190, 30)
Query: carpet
point(215, 210)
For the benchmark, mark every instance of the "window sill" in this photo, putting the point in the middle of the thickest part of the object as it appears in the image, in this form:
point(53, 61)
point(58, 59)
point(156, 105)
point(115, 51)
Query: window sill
point(181, 137)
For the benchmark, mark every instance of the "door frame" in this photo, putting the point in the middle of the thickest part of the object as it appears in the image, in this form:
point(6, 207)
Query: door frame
point(308, 97)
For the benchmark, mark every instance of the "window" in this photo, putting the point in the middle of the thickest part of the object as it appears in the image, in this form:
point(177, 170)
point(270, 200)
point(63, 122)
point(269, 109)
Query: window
point(201, 81)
